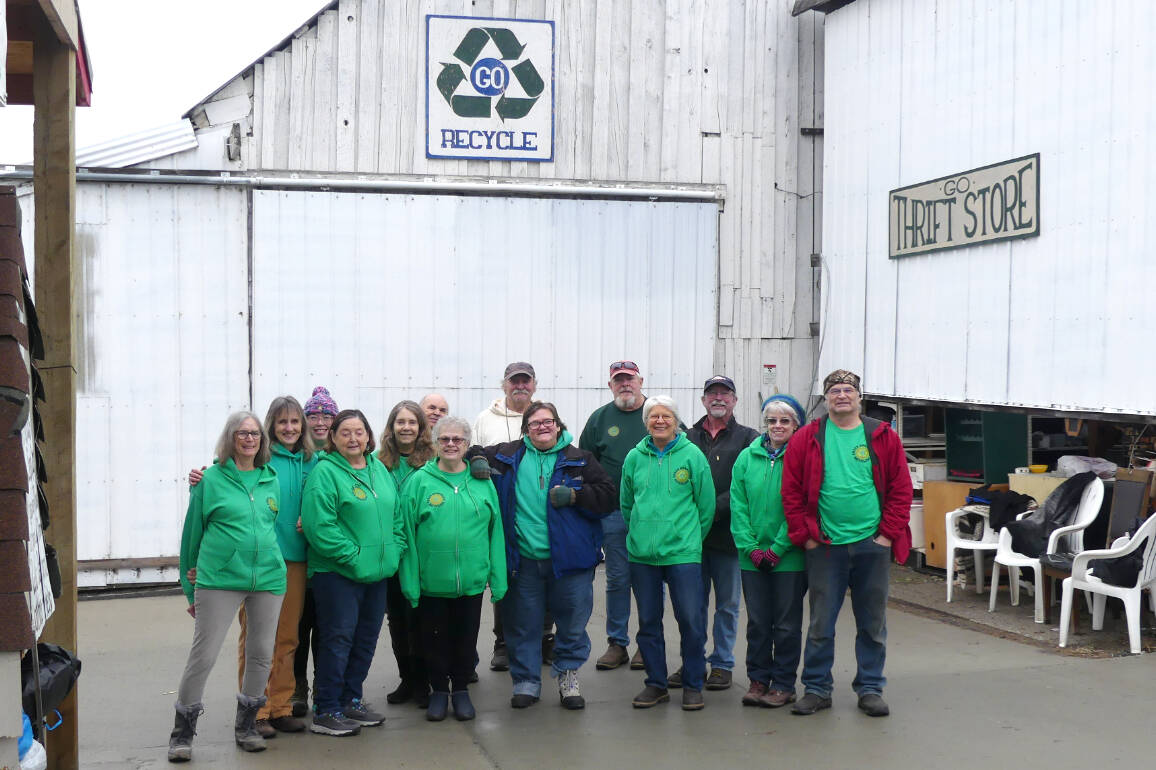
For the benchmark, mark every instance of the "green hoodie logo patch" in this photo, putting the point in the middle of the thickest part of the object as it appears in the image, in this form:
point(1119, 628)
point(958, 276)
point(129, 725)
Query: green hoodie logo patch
point(612, 431)
point(436, 499)
point(861, 454)
point(359, 493)
point(271, 503)
point(682, 475)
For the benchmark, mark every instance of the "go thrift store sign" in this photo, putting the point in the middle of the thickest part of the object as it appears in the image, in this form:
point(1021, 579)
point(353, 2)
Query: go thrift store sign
point(489, 88)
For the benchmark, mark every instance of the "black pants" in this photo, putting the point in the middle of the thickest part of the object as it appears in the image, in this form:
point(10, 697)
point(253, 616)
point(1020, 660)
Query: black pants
point(405, 635)
point(306, 638)
point(449, 637)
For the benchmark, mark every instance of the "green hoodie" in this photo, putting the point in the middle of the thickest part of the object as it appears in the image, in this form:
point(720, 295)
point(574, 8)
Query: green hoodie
point(351, 519)
point(454, 530)
point(667, 500)
point(292, 469)
point(229, 533)
point(757, 519)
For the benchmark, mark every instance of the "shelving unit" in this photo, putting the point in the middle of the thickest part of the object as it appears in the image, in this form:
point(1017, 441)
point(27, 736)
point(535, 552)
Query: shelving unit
point(983, 447)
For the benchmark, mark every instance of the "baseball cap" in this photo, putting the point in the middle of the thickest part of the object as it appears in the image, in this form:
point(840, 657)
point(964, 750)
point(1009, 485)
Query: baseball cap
point(720, 379)
point(519, 367)
point(619, 367)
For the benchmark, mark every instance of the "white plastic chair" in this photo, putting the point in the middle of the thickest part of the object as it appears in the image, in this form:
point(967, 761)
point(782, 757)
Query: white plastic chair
point(1086, 581)
point(988, 541)
point(1073, 535)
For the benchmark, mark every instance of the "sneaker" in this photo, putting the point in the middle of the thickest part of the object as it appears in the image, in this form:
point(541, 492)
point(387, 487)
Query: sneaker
point(501, 659)
point(650, 696)
point(568, 691)
point(287, 724)
point(266, 730)
point(547, 649)
point(692, 700)
point(636, 663)
point(614, 657)
point(755, 694)
point(719, 679)
point(674, 681)
point(363, 714)
point(777, 699)
point(522, 700)
point(810, 703)
point(334, 723)
point(873, 705)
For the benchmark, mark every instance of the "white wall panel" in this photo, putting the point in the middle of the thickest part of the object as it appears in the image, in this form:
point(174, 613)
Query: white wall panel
point(385, 297)
point(1050, 321)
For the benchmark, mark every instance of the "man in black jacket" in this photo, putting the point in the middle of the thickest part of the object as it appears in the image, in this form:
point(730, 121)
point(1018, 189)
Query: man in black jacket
point(721, 439)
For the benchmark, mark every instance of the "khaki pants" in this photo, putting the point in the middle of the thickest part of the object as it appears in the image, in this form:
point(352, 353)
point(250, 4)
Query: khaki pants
point(279, 691)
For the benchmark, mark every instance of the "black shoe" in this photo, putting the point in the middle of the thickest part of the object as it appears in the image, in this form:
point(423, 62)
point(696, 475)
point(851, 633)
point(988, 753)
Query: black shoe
point(463, 708)
point(547, 649)
point(810, 703)
point(439, 703)
point(522, 700)
point(873, 705)
point(421, 697)
point(501, 659)
point(402, 694)
point(473, 677)
point(650, 696)
point(300, 700)
point(674, 681)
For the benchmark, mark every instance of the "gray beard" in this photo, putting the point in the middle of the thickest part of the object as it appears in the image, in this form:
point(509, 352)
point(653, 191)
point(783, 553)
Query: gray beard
point(626, 403)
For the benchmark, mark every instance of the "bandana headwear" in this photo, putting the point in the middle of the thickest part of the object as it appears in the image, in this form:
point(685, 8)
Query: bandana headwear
point(841, 377)
point(321, 403)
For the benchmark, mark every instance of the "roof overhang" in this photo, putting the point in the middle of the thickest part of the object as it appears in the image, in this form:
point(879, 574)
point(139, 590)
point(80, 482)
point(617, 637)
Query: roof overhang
point(26, 20)
point(823, 6)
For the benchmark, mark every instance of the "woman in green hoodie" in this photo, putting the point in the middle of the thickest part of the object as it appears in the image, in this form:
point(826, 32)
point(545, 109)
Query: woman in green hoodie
point(773, 570)
point(349, 513)
point(667, 499)
point(453, 529)
point(229, 559)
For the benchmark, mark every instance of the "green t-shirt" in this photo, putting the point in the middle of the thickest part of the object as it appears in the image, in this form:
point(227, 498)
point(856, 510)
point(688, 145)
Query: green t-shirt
point(848, 503)
point(610, 434)
point(402, 471)
point(531, 489)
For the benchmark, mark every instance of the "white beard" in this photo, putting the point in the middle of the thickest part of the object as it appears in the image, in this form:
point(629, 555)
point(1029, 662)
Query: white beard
point(626, 403)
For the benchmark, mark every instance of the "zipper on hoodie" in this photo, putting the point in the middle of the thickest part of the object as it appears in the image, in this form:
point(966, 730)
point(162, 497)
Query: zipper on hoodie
point(253, 527)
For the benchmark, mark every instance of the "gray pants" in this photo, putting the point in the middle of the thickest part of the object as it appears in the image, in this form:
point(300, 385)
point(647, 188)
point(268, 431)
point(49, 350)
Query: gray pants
point(215, 613)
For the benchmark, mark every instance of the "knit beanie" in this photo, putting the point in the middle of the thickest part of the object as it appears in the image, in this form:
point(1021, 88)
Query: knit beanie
point(321, 403)
point(800, 414)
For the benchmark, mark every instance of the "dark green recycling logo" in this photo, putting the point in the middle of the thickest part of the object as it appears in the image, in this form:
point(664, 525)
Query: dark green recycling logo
point(488, 77)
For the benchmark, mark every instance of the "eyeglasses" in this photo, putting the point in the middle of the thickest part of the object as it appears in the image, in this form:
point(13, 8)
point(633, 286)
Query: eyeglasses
point(535, 424)
point(248, 434)
point(844, 391)
point(778, 421)
point(319, 417)
point(451, 440)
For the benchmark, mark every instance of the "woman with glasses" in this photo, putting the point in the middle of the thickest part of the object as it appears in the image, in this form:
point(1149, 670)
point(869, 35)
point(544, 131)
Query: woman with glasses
point(230, 559)
point(453, 530)
point(553, 497)
point(667, 499)
point(773, 570)
point(350, 518)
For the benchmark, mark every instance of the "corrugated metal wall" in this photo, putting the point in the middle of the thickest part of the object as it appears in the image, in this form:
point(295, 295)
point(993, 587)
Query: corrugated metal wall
point(685, 91)
point(385, 297)
point(922, 88)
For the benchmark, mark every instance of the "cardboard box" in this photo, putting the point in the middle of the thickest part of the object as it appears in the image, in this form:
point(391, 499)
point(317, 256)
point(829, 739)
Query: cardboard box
point(924, 472)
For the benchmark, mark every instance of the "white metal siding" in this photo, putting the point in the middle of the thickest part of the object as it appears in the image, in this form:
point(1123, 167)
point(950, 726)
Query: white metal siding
point(386, 297)
point(922, 88)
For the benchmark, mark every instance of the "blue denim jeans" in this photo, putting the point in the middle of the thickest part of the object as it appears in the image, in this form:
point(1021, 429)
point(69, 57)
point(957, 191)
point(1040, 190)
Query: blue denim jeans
point(774, 626)
point(864, 568)
point(534, 590)
point(685, 581)
point(617, 579)
point(349, 616)
point(721, 569)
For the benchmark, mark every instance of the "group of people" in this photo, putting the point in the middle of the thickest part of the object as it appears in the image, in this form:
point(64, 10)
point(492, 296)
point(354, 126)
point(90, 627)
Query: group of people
point(314, 531)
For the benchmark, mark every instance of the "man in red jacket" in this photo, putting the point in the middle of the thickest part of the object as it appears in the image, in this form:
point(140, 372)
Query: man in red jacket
point(847, 498)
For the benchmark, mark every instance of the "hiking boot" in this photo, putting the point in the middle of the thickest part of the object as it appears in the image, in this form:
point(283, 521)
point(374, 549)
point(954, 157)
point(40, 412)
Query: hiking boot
point(692, 700)
point(463, 707)
point(547, 649)
point(362, 713)
point(674, 681)
point(245, 726)
point(300, 700)
point(755, 694)
point(777, 699)
point(568, 691)
point(403, 693)
point(636, 663)
point(184, 728)
point(719, 679)
point(265, 729)
point(439, 703)
point(523, 700)
point(873, 705)
point(501, 659)
point(287, 724)
point(334, 723)
point(615, 656)
point(650, 696)
point(810, 703)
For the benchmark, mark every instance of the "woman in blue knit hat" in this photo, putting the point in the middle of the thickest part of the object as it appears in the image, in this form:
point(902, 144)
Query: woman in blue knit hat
point(773, 570)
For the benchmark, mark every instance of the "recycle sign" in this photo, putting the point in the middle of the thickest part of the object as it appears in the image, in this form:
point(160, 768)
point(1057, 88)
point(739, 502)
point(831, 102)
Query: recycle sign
point(490, 77)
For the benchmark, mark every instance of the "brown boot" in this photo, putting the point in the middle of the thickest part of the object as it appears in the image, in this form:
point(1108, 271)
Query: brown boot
point(755, 694)
point(636, 663)
point(614, 657)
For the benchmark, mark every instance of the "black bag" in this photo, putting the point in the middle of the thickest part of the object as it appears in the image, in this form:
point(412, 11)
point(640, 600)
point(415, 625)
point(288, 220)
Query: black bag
point(59, 669)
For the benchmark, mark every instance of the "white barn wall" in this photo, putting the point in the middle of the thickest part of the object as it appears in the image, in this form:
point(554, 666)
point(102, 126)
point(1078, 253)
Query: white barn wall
point(923, 88)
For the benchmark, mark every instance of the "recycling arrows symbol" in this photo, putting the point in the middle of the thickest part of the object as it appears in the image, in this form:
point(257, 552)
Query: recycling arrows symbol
point(490, 77)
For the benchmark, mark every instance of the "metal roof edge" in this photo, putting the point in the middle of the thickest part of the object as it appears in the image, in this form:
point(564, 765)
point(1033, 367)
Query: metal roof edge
point(141, 146)
point(822, 6)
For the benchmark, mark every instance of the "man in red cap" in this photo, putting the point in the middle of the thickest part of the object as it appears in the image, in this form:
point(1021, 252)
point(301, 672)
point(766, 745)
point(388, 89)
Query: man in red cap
point(610, 433)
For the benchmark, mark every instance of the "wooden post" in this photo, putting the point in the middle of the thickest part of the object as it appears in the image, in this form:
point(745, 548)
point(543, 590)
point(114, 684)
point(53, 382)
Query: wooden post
point(54, 185)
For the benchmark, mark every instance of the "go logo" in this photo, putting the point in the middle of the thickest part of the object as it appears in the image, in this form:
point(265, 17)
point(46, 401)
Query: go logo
point(490, 77)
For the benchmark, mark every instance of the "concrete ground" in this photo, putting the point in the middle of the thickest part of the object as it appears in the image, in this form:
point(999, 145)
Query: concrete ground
point(959, 693)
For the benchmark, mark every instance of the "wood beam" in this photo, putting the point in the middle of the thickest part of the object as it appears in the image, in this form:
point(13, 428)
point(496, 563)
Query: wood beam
point(61, 15)
point(54, 188)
